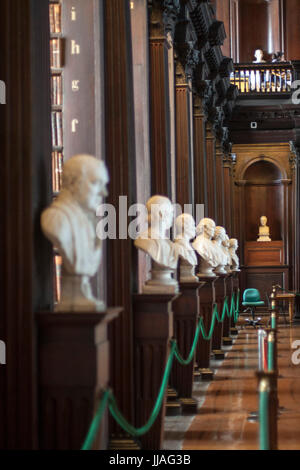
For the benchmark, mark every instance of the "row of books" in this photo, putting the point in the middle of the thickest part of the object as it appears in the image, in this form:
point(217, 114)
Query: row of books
point(56, 90)
point(57, 128)
point(55, 18)
point(56, 51)
point(57, 169)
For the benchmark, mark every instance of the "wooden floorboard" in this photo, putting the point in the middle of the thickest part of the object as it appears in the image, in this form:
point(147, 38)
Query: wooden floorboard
point(222, 423)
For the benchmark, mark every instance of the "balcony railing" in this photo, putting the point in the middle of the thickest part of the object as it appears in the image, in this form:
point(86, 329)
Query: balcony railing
point(266, 79)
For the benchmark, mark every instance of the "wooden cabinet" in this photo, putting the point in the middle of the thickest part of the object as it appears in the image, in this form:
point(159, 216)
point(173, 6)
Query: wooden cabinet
point(264, 253)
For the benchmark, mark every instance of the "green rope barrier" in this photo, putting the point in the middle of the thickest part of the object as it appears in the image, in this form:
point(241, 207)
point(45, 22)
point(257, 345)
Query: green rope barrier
point(190, 357)
point(212, 325)
point(108, 397)
point(115, 412)
point(263, 420)
point(96, 421)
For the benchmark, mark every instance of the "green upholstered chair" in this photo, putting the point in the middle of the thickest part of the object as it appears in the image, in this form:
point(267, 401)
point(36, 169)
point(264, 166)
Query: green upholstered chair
point(251, 300)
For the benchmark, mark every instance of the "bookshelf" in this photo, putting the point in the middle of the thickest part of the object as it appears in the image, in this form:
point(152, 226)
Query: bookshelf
point(56, 88)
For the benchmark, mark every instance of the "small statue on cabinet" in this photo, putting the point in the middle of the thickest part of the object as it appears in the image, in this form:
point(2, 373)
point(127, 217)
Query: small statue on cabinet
point(162, 251)
point(70, 224)
point(186, 231)
point(235, 262)
point(264, 230)
point(205, 247)
point(218, 239)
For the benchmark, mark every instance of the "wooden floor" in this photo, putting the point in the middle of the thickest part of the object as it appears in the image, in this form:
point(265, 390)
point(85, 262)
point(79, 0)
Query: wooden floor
point(223, 420)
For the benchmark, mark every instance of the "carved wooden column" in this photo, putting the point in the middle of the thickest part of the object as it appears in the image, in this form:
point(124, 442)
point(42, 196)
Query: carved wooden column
point(206, 309)
point(120, 154)
point(211, 172)
point(186, 312)
point(162, 20)
point(184, 170)
point(200, 165)
point(295, 148)
point(220, 220)
point(220, 287)
point(228, 193)
point(153, 329)
point(25, 190)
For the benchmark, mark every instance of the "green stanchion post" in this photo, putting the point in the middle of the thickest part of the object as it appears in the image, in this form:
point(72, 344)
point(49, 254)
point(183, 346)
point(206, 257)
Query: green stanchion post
point(271, 351)
point(264, 396)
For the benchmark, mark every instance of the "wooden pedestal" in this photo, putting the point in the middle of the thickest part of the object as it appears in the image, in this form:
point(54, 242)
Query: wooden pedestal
point(227, 321)
point(220, 288)
point(206, 309)
point(235, 279)
point(186, 311)
point(73, 368)
point(153, 329)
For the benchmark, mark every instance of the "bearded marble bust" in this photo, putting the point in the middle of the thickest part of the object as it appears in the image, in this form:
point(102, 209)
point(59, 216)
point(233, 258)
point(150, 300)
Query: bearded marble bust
point(206, 248)
point(218, 239)
point(70, 224)
point(235, 262)
point(186, 231)
point(155, 242)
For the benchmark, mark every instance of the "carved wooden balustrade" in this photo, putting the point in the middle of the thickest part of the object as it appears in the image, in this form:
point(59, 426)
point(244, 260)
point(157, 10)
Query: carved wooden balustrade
point(267, 78)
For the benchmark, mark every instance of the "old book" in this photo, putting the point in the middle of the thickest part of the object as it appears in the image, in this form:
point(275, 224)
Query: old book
point(57, 18)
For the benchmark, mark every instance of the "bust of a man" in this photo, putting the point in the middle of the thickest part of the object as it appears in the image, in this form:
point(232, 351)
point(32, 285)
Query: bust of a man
point(235, 262)
point(259, 56)
point(186, 231)
point(206, 248)
point(70, 224)
point(264, 231)
point(226, 245)
point(218, 239)
point(156, 243)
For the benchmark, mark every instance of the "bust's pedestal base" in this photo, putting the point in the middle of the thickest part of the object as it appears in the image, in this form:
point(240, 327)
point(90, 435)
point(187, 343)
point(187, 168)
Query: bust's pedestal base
point(206, 310)
point(73, 369)
point(153, 329)
point(186, 310)
point(220, 291)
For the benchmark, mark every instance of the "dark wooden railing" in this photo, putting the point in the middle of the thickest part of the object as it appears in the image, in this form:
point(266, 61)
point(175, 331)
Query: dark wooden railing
point(265, 78)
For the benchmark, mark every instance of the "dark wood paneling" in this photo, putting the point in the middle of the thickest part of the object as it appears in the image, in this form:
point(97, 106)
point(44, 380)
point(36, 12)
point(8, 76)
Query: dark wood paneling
point(263, 278)
point(291, 27)
point(253, 13)
point(264, 200)
point(25, 272)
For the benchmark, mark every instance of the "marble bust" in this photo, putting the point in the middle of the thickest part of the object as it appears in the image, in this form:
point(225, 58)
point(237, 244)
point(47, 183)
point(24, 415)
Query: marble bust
point(206, 248)
point(218, 239)
point(264, 231)
point(70, 224)
point(235, 262)
point(226, 245)
point(186, 231)
point(156, 244)
point(259, 57)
